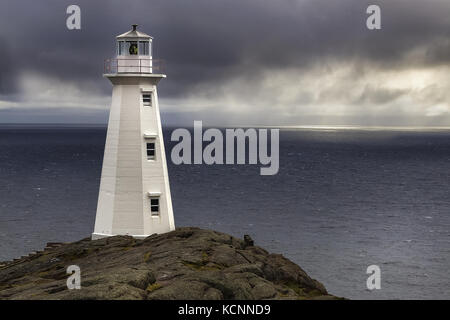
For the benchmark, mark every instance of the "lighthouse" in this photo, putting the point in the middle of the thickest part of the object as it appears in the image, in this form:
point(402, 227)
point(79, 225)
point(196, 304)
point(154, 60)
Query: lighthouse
point(134, 197)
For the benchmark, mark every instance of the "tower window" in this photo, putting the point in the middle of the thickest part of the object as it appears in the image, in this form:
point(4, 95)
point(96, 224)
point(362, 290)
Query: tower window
point(150, 151)
point(147, 99)
point(154, 206)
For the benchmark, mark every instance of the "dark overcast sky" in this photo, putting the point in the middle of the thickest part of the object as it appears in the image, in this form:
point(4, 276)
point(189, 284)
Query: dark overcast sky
point(256, 62)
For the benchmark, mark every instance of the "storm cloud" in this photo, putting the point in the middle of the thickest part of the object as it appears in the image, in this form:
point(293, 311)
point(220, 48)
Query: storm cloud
point(249, 62)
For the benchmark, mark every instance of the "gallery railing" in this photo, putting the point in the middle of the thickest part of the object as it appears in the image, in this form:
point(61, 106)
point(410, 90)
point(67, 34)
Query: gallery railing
point(125, 65)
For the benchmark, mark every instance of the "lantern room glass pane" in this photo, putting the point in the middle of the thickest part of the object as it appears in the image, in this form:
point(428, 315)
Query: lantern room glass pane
point(121, 48)
point(143, 48)
point(132, 47)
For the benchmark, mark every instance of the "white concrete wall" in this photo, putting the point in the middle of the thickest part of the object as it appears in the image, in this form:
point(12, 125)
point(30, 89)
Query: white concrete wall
point(155, 174)
point(127, 175)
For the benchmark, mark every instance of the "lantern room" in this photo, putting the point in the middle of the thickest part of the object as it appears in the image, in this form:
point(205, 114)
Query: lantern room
point(133, 54)
point(134, 44)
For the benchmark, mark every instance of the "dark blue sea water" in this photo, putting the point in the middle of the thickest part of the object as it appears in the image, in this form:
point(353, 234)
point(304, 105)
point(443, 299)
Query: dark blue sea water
point(342, 200)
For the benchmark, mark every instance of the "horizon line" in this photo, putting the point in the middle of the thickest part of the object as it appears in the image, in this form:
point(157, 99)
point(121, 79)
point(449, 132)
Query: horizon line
point(289, 127)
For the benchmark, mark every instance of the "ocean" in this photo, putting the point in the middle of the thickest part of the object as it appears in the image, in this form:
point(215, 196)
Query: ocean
point(342, 200)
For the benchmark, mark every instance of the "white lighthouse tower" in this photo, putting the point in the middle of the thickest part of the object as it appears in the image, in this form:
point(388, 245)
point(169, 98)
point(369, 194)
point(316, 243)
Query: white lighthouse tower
point(134, 197)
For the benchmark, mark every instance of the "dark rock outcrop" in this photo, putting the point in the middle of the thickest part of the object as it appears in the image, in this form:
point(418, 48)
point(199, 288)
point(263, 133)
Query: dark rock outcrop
point(188, 263)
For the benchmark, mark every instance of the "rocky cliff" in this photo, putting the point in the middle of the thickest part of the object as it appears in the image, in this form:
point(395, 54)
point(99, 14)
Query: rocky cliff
point(188, 263)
